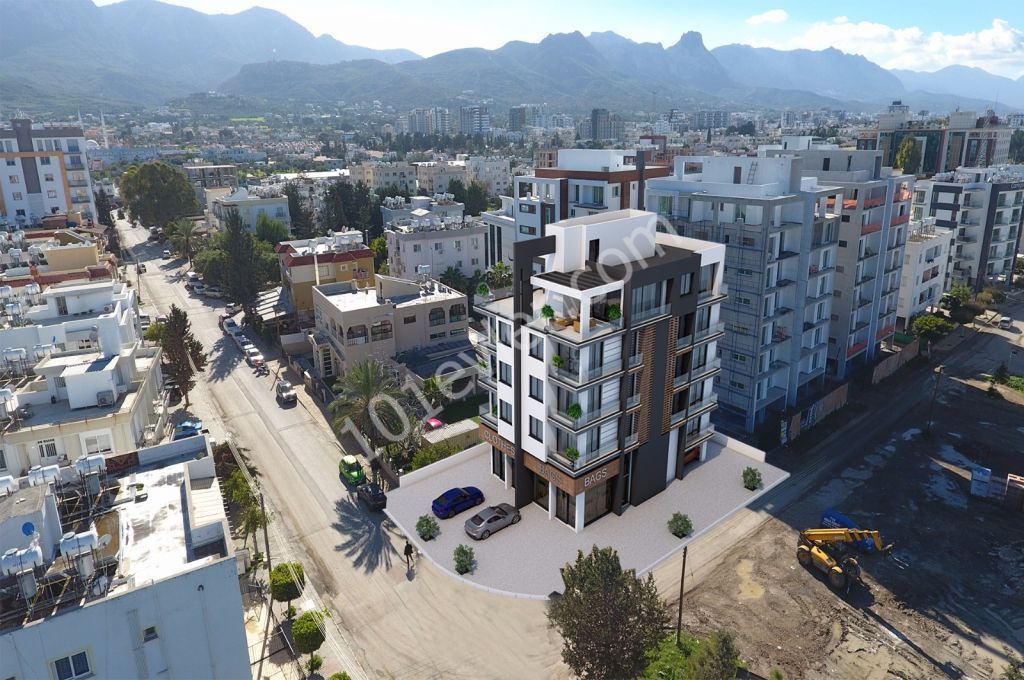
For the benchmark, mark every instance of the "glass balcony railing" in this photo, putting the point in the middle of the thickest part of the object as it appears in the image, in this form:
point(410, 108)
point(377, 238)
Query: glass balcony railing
point(585, 458)
point(633, 402)
point(632, 439)
point(643, 314)
point(636, 360)
point(713, 329)
point(586, 418)
point(579, 376)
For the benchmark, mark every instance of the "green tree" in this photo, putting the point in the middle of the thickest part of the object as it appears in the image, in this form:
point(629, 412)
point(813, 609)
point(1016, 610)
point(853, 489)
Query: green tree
point(476, 198)
point(302, 219)
point(241, 275)
point(716, 659)
point(103, 208)
point(453, 278)
point(156, 333)
point(183, 354)
point(499, 276)
point(930, 327)
point(286, 582)
point(270, 230)
point(156, 193)
point(183, 236)
point(212, 263)
point(608, 618)
point(908, 156)
point(379, 246)
point(368, 394)
point(308, 633)
point(436, 391)
point(958, 296)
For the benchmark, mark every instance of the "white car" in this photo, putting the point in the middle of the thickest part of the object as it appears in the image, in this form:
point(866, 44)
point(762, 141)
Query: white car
point(166, 255)
point(1006, 323)
point(232, 308)
point(231, 327)
point(253, 357)
point(214, 292)
point(144, 322)
point(198, 288)
point(241, 340)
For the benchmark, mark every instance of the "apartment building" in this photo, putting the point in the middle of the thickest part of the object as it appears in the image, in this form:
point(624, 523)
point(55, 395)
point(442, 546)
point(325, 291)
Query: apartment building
point(435, 176)
point(585, 182)
point(45, 257)
point(600, 125)
point(43, 172)
point(962, 139)
point(702, 120)
point(494, 172)
point(600, 368)
point(75, 379)
point(433, 245)
point(875, 211)
point(380, 322)
point(780, 262)
point(120, 567)
point(475, 120)
point(525, 116)
point(338, 257)
point(204, 177)
point(426, 121)
point(384, 176)
point(441, 207)
point(249, 204)
point(545, 158)
point(925, 270)
point(983, 206)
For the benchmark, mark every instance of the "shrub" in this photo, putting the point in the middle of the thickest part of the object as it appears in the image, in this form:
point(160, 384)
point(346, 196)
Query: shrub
point(930, 328)
point(427, 527)
point(996, 294)
point(286, 582)
point(614, 313)
point(680, 524)
point(775, 675)
point(339, 676)
point(315, 663)
point(306, 632)
point(752, 478)
point(574, 411)
point(983, 298)
point(548, 312)
point(717, 657)
point(572, 453)
point(482, 289)
point(465, 560)
point(558, 361)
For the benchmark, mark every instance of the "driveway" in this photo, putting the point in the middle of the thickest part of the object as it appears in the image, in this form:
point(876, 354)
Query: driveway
point(523, 560)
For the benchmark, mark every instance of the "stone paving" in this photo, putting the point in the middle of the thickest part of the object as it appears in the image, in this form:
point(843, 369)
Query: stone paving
point(524, 559)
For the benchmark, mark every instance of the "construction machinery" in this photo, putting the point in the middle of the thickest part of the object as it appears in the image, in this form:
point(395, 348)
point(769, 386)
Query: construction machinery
point(827, 550)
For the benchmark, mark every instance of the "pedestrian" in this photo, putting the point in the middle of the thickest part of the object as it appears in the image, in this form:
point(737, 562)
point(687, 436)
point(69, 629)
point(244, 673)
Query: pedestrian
point(408, 554)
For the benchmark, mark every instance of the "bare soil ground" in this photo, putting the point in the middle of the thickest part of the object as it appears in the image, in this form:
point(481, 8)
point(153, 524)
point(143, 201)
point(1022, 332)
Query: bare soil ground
point(950, 603)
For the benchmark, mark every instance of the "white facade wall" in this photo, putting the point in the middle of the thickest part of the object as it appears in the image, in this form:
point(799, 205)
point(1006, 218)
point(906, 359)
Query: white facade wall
point(463, 249)
point(923, 278)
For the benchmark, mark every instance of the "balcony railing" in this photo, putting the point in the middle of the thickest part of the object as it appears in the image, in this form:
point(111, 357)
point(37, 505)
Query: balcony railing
point(709, 296)
point(694, 408)
point(712, 330)
point(868, 253)
point(855, 349)
point(684, 341)
point(900, 219)
point(580, 376)
point(488, 417)
point(632, 439)
point(871, 228)
point(641, 315)
point(586, 458)
point(585, 419)
point(698, 372)
point(633, 402)
point(636, 360)
point(874, 202)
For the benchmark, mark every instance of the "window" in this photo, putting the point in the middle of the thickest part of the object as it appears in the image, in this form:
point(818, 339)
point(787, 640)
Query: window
point(416, 247)
point(70, 667)
point(149, 634)
point(99, 443)
point(3, 460)
point(409, 319)
point(530, 231)
point(537, 347)
point(47, 448)
point(436, 316)
point(842, 244)
point(536, 388)
point(11, 162)
point(505, 372)
point(505, 333)
point(51, 193)
point(44, 160)
point(437, 336)
point(536, 429)
point(686, 284)
point(48, 177)
point(475, 261)
point(17, 197)
point(14, 179)
point(505, 411)
point(324, 269)
point(439, 247)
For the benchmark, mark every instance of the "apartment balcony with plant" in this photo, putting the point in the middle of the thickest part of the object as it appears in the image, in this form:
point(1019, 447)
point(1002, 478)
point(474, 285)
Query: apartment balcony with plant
point(575, 451)
point(576, 316)
point(576, 367)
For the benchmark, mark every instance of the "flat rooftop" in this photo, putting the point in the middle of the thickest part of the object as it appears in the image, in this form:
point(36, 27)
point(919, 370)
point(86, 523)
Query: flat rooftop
point(354, 300)
point(432, 295)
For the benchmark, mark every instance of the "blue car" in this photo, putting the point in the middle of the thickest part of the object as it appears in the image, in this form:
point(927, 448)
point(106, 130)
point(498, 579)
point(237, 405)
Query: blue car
point(454, 501)
point(187, 428)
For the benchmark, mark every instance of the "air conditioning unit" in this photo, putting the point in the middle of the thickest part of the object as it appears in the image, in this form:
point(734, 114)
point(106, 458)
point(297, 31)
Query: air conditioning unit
point(108, 308)
point(105, 398)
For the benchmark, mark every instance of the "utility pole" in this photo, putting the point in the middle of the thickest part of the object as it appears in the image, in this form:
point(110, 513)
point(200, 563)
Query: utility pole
point(679, 617)
point(931, 405)
point(270, 600)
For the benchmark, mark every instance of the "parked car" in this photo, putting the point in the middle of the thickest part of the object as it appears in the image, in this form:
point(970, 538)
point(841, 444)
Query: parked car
point(162, 318)
point(214, 292)
point(432, 424)
point(166, 255)
point(285, 392)
point(487, 521)
point(1006, 323)
point(351, 471)
point(232, 308)
point(193, 277)
point(253, 356)
point(198, 288)
point(187, 428)
point(454, 501)
point(241, 340)
point(229, 325)
point(372, 495)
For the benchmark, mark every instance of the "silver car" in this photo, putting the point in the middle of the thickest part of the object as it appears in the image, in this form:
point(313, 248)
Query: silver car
point(487, 521)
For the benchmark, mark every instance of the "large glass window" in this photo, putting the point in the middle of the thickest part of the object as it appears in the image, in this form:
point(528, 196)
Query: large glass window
point(540, 491)
point(536, 388)
point(537, 347)
point(598, 501)
point(565, 507)
point(536, 429)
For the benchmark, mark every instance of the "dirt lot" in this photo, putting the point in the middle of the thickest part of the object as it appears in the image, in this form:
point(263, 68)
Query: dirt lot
point(951, 601)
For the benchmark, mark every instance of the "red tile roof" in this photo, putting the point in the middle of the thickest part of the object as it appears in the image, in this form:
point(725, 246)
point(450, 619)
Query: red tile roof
point(346, 256)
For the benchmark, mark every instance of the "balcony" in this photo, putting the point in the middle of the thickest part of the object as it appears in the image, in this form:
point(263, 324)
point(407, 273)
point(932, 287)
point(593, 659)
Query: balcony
point(817, 297)
point(642, 315)
point(489, 418)
point(697, 373)
point(783, 254)
point(694, 409)
point(488, 381)
point(815, 270)
point(899, 219)
point(862, 302)
point(864, 279)
point(584, 459)
point(710, 297)
point(772, 395)
point(867, 254)
point(902, 195)
point(636, 360)
point(774, 366)
point(80, 199)
point(780, 283)
point(77, 183)
point(874, 202)
point(584, 420)
point(633, 402)
point(807, 376)
point(632, 439)
point(714, 330)
point(684, 342)
point(871, 228)
point(575, 376)
point(779, 312)
point(964, 238)
point(885, 332)
point(812, 324)
point(571, 330)
point(856, 349)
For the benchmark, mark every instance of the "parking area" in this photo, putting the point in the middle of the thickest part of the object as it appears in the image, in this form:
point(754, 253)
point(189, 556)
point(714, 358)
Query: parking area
point(524, 560)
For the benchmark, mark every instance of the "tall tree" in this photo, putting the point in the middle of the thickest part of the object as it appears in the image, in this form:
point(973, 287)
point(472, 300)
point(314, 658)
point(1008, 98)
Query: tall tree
point(183, 235)
point(185, 355)
point(270, 230)
point(103, 208)
point(379, 246)
point(908, 156)
point(156, 193)
point(454, 278)
point(308, 634)
point(608, 618)
point(302, 219)
point(241, 278)
point(499, 275)
point(476, 198)
point(367, 395)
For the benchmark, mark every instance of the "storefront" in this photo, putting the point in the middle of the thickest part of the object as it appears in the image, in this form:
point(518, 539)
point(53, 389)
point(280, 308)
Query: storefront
point(502, 456)
point(575, 501)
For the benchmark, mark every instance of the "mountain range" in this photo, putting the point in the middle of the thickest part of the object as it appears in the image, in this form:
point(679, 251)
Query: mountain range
point(146, 52)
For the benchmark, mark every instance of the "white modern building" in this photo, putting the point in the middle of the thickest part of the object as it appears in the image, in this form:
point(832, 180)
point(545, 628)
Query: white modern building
point(439, 207)
point(780, 235)
point(601, 365)
point(43, 172)
point(430, 246)
point(985, 209)
point(925, 269)
point(249, 204)
point(126, 574)
point(494, 172)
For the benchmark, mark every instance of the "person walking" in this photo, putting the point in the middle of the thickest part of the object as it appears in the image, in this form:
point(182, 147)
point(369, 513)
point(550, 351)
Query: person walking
point(408, 554)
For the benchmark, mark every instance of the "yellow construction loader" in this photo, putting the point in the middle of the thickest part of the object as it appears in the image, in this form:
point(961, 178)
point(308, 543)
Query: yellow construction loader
point(827, 550)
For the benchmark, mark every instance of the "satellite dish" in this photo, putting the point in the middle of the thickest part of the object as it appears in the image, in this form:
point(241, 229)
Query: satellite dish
point(28, 528)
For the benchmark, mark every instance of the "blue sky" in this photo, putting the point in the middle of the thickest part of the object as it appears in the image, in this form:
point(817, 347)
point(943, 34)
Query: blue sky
point(896, 34)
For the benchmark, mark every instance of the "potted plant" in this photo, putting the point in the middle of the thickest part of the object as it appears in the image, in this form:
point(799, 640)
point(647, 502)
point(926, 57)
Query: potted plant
point(572, 453)
point(483, 290)
point(494, 411)
point(559, 361)
point(548, 312)
point(427, 527)
point(614, 313)
point(465, 560)
point(752, 479)
point(680, 524)
point(574, 411)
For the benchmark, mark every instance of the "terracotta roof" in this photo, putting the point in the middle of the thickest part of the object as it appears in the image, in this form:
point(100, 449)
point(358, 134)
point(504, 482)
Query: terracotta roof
point(346, 256)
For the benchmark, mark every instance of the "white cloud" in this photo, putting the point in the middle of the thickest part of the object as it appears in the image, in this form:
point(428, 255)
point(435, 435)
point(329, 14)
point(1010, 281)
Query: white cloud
point(772, 16)
point(998, 49)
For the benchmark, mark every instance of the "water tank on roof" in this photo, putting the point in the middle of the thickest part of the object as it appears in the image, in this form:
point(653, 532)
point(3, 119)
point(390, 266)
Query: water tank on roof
point(72, 544)
point(35, 250)
point(14, 353)
point(15, 254)
point(18, 236)
point(42, 351)
point(6, 292)
point(94, 463)
point(13, 308)
point(39, 474)
point(8, 485)
point(33, 289)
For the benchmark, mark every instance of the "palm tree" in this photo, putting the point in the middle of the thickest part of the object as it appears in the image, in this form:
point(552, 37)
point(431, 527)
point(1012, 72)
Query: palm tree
point(183, 236)
point(499, 276)
point(453, 278)
point(366, 397)
point(436, 391)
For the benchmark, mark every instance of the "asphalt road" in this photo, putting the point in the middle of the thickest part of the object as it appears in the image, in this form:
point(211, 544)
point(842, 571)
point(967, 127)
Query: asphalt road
point(387, 622)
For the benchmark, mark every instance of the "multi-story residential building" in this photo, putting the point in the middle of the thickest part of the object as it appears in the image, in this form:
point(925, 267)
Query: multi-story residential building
point(76, 379)
point(964, 139)
point(475, 120)
point(120, 567)
point(436, 244)
point(545, 158)
point(48, 256)
point(382, 321)
point(384, 176)
point(249, 205)
point(43, 172)
point(435, 176)
point(925, 270)
point(205, 177)
point(601, 367)
point(585, 182)
point(525, 116)
point(440, 207)
point(427, 121)
point(702, 120)
point(872, 232)
point(985, 209)
point(780, 263)
point(340, 256)
point(600, 125)
point(494, 172)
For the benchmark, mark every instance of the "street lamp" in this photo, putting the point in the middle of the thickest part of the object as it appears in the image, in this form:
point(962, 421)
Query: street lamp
point(931, 405)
